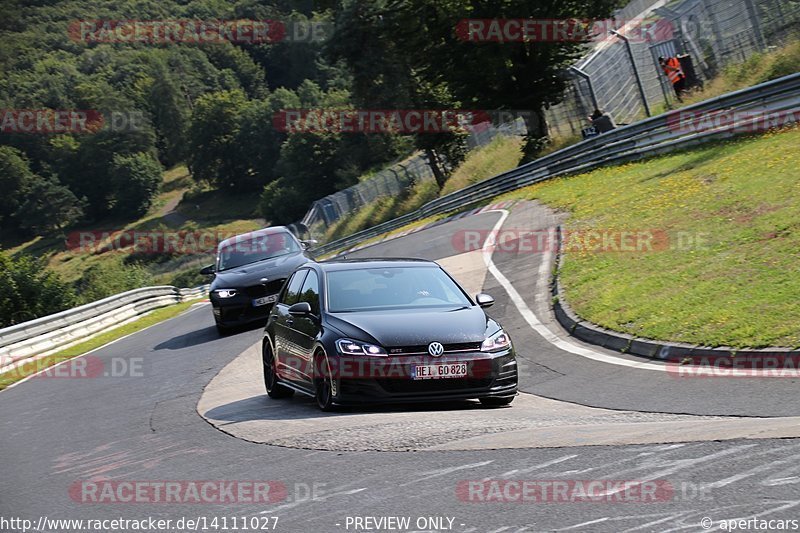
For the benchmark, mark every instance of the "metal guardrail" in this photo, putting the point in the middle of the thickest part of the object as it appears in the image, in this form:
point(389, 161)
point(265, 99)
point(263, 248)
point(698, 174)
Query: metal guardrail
point(46, 334)
point(652, 136)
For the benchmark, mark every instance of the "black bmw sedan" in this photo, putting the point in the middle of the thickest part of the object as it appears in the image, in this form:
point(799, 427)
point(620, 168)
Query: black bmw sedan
point(249, 272)
point(389, 330)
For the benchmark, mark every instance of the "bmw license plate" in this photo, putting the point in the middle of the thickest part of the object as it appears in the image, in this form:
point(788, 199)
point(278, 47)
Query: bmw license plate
point(441, 371)
point(271, 299)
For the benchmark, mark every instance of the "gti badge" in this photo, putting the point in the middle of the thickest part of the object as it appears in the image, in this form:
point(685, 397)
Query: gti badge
point(435, 349)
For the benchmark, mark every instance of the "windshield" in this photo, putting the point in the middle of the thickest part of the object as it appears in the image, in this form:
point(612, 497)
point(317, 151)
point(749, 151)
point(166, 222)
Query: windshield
point(392, 287)
point(244, 251)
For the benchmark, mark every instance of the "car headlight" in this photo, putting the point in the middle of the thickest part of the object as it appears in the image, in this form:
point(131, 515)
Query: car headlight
point(498, 341)
point(350, 347)
point(225, 293)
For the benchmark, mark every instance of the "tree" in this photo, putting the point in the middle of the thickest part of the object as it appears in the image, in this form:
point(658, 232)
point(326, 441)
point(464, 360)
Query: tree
point(213, 151)
point(90, 174)
point(490, 75)
point(28, 290)
point(15, 176)
point(170, 111)
point(282, 204)
point(136, 179)
point(48, 206)
point(375, 40)
point(258, 145)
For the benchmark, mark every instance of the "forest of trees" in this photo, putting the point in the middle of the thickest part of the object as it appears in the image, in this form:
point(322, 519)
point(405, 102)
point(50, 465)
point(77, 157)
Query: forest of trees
point(211, 105)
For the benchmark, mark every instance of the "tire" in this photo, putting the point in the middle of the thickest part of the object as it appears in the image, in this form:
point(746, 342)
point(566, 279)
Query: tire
point(323, 386)
point(222, 330)
point(274, 389)
point(496, 402)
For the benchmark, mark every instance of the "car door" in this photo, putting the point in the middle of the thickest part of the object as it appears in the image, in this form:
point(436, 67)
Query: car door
point(306, 329)
point(285, 361)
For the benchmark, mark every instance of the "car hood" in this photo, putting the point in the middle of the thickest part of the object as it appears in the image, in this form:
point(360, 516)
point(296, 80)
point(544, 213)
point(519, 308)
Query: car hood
point(246, 275)
point(415, 327)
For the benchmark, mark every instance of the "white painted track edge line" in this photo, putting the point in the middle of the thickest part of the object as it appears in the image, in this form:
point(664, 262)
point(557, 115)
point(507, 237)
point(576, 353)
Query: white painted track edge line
point(533, 321)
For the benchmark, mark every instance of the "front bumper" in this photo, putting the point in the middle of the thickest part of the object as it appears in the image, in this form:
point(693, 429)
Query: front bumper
point(238, 310)
point(364, 379)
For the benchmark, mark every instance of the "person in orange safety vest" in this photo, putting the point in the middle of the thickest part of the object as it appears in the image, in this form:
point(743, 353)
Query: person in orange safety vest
point(672, 68)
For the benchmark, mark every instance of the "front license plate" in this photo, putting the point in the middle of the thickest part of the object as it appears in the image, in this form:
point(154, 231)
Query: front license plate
point(271, 299)
point(442, 371)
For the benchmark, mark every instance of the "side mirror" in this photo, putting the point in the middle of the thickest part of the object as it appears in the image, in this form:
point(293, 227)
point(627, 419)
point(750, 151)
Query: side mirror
point(308, 243)
point(484, 300)
point(208, 270)
point(300, 309)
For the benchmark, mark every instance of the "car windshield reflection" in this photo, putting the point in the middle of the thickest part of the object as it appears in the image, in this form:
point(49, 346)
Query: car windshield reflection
point(252, 250)
point(386, 288)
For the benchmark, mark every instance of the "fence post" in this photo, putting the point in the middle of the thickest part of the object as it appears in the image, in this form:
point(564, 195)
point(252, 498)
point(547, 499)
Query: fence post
point(635, 71)
point(588, 79)
point(753, 16)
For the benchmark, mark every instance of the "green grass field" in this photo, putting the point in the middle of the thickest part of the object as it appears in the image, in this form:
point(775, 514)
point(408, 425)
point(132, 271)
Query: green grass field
point(740, 288)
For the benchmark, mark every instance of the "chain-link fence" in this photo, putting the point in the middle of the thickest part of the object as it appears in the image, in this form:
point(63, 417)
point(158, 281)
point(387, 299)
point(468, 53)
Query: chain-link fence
point(621, 76)
point(714, 33)
point(393, 180)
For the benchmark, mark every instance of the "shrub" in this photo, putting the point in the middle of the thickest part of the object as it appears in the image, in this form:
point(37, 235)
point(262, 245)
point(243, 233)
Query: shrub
point(111, 277)
point(28, 290)
point(136, 181)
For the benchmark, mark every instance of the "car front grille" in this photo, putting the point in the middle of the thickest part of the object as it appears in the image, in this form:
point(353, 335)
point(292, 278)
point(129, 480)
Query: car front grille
point(423, 348)
point(271, 287)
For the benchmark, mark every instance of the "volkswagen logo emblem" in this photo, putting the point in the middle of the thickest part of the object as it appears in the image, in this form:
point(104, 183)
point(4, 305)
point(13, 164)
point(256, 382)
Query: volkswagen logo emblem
point(435, 349)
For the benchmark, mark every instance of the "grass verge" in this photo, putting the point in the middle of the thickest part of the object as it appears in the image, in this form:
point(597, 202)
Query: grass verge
point(758, 68)
point(159, 315)
point(737, 287)
point(500, 155)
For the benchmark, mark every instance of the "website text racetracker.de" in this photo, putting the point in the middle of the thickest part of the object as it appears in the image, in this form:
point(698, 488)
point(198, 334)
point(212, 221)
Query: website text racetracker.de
point(586, 240)
point(148, 524)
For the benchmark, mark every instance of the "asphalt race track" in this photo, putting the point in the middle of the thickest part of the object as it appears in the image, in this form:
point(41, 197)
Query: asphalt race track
point(146, 426)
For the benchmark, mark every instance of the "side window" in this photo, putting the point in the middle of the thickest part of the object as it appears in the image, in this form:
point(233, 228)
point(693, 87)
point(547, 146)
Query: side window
point(291, 293)
point(310, 292)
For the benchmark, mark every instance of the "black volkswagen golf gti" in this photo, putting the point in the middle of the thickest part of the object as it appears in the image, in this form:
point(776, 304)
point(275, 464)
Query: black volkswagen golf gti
point(389, 330)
